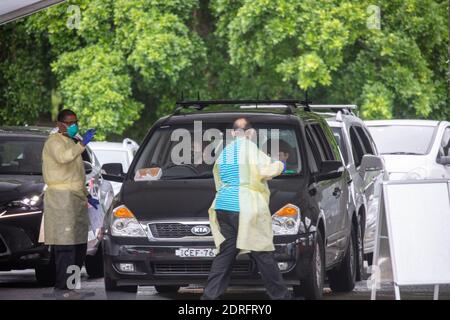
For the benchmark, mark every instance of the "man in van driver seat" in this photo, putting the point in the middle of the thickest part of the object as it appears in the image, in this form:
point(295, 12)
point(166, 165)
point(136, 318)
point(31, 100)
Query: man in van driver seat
point(240, 217)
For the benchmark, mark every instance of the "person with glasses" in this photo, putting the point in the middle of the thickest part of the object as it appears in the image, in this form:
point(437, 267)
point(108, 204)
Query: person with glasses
point(66, 221)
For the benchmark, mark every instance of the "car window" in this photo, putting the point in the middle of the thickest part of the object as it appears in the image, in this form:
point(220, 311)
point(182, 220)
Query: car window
point(316, 146)
point(323, 142)
point(403, 139)
point(179, 155)
point(339, 136)
point(445, 143)
point(357, 147)
point(365, 140)
point(20, 155)
point(113, 156)
point(86, 156)
point(314, 159)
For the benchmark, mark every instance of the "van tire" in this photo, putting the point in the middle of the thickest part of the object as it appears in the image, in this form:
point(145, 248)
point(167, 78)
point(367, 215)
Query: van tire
point(94, 264)
point(343, 277)
point(311, 287)
point(360, 270)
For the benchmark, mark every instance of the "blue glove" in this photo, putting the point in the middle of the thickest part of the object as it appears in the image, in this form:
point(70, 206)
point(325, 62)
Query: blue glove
point(93, 202)
point(88, 136)
point(284, 166)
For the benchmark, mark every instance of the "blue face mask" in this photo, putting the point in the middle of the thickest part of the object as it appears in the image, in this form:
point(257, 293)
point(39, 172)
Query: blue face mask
point(72, 130)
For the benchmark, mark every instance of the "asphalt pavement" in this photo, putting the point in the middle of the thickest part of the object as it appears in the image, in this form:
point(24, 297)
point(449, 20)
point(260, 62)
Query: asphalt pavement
point(21, 285)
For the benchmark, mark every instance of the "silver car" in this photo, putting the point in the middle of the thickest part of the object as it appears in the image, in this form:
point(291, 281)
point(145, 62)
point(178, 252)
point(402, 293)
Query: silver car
point(362, 160)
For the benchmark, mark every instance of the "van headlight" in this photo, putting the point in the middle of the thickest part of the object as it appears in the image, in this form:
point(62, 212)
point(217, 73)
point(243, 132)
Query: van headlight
point(286, 221)
point(124, 224)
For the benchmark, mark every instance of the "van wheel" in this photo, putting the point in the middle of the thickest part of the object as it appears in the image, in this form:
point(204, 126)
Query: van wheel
point(111, 286)
point(94, 264)
point(167, 289)
point(312, 286)
point(343, 277)
point(360, 270)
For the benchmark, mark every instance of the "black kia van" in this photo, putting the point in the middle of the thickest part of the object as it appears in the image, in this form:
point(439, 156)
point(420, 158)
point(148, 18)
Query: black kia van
point(157, 231)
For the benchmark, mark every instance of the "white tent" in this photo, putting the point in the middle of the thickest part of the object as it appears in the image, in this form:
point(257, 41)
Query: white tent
point(11, 10)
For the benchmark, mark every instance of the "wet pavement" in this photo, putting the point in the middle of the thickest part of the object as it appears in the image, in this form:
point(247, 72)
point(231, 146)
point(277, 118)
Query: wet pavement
point(21, 285)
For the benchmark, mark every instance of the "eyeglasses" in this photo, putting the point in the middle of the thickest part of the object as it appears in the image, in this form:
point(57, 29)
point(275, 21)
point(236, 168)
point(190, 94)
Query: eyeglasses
point(69, 123)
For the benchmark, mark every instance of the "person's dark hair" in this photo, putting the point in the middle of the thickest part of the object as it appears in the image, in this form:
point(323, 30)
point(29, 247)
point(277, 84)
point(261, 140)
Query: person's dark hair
point(242, 123)
point(64, 113)
point(283, 146)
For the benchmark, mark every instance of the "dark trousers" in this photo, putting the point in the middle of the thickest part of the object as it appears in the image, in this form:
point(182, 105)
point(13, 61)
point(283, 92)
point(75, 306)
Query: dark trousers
point(222, 266)
point(66, 256)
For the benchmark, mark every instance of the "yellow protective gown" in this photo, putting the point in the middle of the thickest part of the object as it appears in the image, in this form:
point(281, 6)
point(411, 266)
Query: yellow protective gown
point(66, 221)
point(255, 221)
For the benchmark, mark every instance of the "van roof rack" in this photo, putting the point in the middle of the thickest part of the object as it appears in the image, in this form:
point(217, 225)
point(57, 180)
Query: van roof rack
point(344, 108)
point(290, 104)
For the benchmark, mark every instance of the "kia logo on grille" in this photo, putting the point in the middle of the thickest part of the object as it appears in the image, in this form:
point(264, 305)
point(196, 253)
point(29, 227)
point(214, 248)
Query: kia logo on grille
point(200, 230)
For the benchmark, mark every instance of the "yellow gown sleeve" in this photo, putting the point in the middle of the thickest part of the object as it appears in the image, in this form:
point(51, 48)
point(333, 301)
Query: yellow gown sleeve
point(217, 180)
point(61, 154)
point(267, 168)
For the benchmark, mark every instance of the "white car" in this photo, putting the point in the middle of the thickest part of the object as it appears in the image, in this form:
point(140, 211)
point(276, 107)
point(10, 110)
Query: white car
point(115, 152)
point(413, 149)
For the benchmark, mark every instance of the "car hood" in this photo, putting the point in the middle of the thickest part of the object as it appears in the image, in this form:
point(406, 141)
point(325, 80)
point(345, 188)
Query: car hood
point(189, 199)
point(13, 187)
point(399, 165)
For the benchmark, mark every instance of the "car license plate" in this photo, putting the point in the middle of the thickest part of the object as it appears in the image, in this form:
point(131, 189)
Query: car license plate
point(196, 252)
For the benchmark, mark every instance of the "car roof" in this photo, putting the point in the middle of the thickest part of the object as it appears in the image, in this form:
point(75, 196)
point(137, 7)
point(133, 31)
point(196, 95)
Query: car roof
point(402, 122)
point(229, 116)
point(26, 131)
point(334, 124)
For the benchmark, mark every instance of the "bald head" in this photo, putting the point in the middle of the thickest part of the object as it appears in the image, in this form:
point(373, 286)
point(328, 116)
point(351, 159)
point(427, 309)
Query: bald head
point(241, 124)
point(241, 127)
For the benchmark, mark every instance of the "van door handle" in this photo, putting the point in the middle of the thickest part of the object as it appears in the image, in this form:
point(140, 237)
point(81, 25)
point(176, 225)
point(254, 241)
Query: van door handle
point(312, 190)
point(337, 192)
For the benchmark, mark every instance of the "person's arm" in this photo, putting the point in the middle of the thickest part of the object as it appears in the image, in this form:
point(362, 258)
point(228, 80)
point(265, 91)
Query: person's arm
point(267, 168)
point(58, 151)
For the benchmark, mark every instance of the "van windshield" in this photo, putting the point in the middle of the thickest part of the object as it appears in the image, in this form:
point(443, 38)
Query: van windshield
point(189, 152)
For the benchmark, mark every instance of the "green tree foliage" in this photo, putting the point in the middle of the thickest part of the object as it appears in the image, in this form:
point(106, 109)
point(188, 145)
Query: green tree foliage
point(24, 76)
point(121, 64)
point(326, 46)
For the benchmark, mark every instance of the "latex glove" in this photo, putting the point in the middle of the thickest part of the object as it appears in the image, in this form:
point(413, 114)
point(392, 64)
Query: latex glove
point(88, 136)
point(284, 166)
point(93, 202)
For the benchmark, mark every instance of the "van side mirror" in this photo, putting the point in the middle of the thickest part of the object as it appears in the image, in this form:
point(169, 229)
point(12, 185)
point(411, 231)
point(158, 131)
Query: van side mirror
point(370, 162)
point(444, 160)
point(87, 167)
point(113, 172)
point(330, 169)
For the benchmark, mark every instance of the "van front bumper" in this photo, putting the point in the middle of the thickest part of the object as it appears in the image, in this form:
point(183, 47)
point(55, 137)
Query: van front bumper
point(156, 263)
